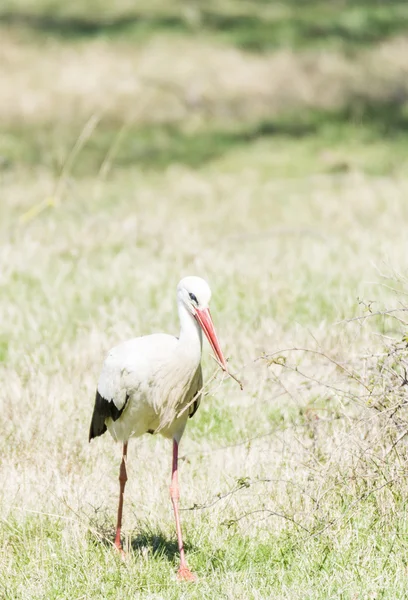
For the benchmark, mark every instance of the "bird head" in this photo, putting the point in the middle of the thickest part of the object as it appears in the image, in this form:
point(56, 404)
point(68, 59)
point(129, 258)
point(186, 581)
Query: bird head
point(195, 294)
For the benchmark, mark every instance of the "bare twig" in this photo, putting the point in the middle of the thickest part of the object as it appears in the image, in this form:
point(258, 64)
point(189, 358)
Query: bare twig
point(227, 372)
point(53, 200)
point(244, 483)
point(318, 352)
point(363, 496)
point(379, 313)
point(397, 441)
point(270, 513)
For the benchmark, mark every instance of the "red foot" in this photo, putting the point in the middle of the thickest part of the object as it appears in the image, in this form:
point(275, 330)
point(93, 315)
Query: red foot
point(120, 551)
point(184, 574)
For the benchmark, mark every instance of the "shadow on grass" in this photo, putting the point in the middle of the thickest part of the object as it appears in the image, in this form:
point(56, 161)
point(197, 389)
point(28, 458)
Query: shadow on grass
point(147, 539)
point(288, 23)
point(159, 545)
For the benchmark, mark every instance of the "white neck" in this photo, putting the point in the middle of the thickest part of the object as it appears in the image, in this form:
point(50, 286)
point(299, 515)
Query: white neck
point(190, 336)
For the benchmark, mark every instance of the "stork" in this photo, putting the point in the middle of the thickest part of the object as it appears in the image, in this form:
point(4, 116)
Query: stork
point(152, 384)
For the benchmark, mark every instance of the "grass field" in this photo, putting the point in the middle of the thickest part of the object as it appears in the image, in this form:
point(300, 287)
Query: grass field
point(264, 147)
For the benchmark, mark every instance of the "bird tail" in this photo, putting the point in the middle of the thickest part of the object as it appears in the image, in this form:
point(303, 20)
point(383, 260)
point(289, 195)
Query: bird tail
point(98, 426)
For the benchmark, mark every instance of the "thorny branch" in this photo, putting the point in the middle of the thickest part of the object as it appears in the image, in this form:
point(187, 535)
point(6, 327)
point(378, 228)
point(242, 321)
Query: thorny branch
point(270, 357)
point(269, 513)
point(379, 313)
point(362, 497)
point(382, 381)
point(242, 483)
point(245, 482)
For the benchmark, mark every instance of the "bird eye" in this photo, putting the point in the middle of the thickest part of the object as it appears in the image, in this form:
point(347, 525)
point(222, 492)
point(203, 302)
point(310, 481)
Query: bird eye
point(193, 298)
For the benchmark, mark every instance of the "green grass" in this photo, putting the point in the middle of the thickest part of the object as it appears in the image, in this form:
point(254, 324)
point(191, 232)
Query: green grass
point(254, 26)
point(317, 145)
point(259, 145)
point(334, 568)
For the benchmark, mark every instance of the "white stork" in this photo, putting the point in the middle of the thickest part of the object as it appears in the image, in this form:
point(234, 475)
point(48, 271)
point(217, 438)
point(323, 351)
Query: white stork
point(152, 384)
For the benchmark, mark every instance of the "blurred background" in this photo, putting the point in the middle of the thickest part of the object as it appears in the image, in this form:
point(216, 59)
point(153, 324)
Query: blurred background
point(192, 82)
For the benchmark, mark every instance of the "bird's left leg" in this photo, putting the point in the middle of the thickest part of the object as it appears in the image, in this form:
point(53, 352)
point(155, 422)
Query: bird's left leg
point(184, 572)
point(122, 482)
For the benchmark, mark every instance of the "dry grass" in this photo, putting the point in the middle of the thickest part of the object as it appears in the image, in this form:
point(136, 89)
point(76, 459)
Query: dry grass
point(60, 82)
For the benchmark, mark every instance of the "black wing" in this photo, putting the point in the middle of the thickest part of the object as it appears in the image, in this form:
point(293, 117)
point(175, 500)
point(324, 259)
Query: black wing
point(103, 410)
point(196, 403)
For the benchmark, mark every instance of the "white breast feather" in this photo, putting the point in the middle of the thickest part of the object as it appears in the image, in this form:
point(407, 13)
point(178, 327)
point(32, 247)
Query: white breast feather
point(156, 379)
point(131, 365)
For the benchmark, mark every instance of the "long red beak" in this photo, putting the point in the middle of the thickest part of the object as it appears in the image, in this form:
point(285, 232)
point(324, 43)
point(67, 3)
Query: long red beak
point(204, 318)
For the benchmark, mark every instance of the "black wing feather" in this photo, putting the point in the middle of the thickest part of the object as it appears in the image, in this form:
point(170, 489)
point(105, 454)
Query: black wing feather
point(103, 410)
point(194, 409)
point(196, 403)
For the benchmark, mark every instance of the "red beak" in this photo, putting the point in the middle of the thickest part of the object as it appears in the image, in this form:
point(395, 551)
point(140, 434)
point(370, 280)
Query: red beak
point(204, 318)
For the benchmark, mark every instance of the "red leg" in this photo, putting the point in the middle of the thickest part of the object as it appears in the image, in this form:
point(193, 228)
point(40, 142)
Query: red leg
point(122, 481)
point(184, 572)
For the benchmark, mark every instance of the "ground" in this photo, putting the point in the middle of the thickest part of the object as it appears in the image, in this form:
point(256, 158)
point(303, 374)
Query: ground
point(261, 146)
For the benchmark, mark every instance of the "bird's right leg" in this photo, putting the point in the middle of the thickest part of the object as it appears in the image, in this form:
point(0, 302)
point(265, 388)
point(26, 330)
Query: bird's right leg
point(122, 482)
point(184, 572)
